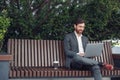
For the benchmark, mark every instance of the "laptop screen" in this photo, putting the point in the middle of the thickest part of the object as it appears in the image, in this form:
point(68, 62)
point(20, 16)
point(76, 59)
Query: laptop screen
point(93, 49)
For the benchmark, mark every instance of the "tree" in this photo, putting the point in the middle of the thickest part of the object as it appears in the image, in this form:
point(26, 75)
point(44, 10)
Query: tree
point(46, 19)
point(97, 15)
point(51, 19)
point(4, 24)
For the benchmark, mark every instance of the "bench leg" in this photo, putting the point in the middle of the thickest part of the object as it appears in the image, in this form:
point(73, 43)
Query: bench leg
point(4, 70)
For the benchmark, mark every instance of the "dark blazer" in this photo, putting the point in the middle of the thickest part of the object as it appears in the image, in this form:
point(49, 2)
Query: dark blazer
point(71, 46)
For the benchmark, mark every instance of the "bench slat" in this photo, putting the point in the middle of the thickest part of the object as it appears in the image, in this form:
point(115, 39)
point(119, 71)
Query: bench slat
point(26, 53)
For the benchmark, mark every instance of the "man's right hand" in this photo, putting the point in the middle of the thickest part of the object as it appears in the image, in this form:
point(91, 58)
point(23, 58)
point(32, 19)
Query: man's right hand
point(81, 54)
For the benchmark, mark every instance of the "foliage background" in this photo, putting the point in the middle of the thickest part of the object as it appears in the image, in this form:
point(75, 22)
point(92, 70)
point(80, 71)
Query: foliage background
point(4, 24)
point(52, 19)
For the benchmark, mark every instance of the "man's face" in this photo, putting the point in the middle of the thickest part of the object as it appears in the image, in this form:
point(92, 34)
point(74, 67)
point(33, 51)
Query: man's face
point(79, 28)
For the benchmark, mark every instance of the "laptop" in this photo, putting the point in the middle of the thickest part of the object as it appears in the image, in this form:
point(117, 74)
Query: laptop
point(93, 49)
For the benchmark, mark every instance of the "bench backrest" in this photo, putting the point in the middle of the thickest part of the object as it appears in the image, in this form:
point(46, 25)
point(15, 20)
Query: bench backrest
point(37, 53)
point(42, 53)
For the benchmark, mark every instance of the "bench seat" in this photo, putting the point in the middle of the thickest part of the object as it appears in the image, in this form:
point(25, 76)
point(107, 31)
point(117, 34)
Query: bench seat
point(60, 72)
point(34, 59)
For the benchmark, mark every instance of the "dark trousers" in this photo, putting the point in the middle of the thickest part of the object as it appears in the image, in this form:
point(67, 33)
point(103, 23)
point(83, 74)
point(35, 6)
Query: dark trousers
point(83, 63)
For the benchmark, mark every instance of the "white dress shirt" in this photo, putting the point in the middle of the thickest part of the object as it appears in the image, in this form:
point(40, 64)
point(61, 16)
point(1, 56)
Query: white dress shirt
point(80, 46)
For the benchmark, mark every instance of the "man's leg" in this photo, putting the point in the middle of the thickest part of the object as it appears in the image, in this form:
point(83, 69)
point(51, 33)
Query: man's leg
point(96, 72)
point(84, 61)
point(91, 63)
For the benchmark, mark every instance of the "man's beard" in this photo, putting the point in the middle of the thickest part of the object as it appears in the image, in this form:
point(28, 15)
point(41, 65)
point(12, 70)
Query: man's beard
point(79, 31)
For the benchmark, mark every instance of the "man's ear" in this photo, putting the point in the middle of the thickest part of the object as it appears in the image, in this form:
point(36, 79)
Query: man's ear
point(74, 25)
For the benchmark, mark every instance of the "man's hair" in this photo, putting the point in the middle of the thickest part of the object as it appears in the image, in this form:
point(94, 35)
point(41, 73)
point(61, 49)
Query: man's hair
point(79, 21)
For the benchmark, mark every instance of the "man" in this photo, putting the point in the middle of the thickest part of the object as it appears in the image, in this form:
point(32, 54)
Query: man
point(74, 46)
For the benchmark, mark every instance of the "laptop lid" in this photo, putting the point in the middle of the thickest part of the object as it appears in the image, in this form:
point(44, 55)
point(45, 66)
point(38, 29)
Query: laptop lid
point(94, 49)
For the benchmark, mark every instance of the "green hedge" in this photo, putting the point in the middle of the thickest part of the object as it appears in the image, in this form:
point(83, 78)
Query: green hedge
point(52, 20)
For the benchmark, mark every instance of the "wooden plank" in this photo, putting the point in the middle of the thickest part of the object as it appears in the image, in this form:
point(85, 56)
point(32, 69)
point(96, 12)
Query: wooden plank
point(22, 58)
point(36, 53)
point(48, 53)
point(26, 53)
point(57, 51)
point(51, 52)
point(16, 53)
point(19, 53)
point(45, 53)
point(39, 54)
point(10, 47)
point(62, 55)
point(54, 51)
point(29, 54)
point(32, 53)
point(6, 57)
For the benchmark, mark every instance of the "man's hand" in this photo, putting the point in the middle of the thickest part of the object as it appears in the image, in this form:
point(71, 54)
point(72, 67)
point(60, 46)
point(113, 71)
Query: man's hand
point(81, 54)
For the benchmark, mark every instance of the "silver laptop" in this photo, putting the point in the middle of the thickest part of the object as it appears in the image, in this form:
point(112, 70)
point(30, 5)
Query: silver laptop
point(93, 49)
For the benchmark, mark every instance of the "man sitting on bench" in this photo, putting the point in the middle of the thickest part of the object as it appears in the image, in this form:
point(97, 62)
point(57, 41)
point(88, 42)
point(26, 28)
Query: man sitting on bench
point(74, 46)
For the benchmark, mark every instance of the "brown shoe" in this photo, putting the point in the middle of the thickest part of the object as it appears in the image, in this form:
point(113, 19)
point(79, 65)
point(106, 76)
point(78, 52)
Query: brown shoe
point(108, 66)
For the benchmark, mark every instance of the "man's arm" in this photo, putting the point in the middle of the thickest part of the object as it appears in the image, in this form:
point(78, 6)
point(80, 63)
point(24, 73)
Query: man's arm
point(67, 47)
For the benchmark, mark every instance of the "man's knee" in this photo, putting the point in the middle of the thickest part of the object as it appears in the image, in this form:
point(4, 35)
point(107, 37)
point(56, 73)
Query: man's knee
point(77, 58)
point(95, 67)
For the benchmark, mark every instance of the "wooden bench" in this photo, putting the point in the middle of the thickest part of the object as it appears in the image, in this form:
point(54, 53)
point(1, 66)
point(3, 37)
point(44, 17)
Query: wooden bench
point(116, 58)
point(34, 59)
point(4, 66)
